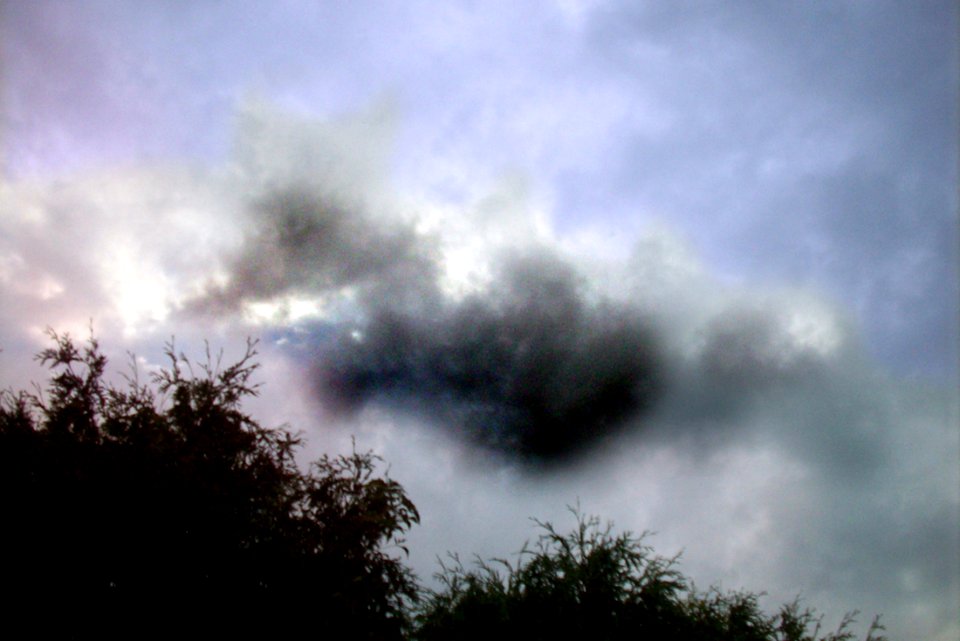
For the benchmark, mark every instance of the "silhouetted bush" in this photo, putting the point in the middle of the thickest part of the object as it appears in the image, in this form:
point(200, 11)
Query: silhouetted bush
point(592, 584)
point(169, 492)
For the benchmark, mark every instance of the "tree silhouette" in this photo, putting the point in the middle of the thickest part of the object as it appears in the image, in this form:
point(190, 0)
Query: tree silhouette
point(170, 488)
point(592, 584)
point(160, 502)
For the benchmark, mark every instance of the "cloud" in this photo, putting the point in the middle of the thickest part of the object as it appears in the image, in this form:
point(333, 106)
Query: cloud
point(304, 244)
point(531, 363)
point(528, 365)
point(547, 351)
point(745, 424)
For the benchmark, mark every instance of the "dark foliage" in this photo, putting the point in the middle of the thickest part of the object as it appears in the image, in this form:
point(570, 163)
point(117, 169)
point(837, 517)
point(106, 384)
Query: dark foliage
point(592, 584)
point(164, 505)
point(169, 493)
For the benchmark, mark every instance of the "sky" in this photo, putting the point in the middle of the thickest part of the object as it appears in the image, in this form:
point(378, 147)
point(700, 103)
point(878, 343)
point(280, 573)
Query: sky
point(692, 266)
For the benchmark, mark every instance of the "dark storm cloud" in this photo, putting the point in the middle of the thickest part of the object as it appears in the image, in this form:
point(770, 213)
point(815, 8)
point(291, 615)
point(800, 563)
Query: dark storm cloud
point(533, 364)
point(528, 366)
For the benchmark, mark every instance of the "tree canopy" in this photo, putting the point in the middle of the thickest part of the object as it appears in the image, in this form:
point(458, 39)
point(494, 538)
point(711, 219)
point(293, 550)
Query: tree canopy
point(167, 492)
point(170, 488)
point(590, 583)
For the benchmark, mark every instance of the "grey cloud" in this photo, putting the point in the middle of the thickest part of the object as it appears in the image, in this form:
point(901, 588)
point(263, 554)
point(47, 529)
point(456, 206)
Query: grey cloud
point(880, 520)
point(541, 362)
point(748, 347)
point(314, 212)
point(535, 363)
point(304, 243)
point(530, 366)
